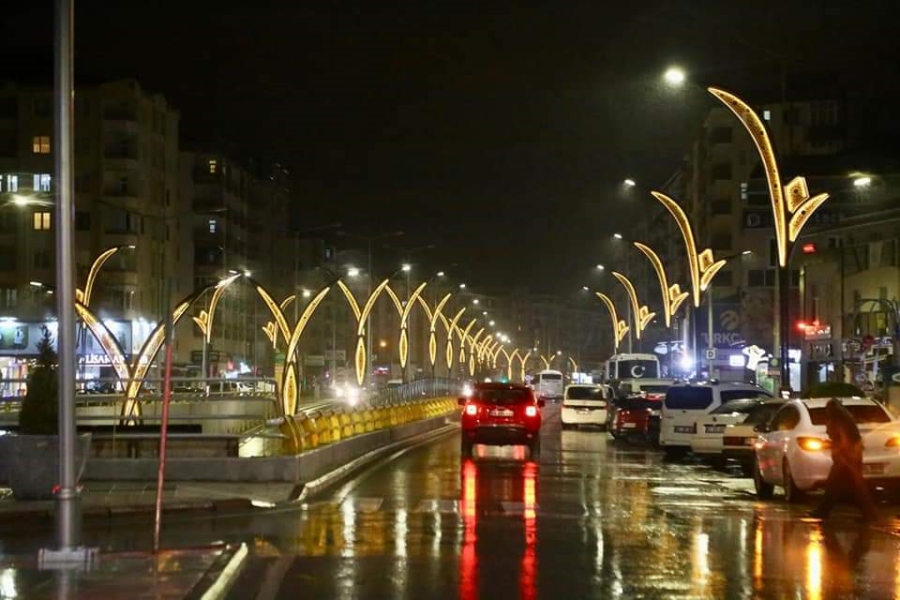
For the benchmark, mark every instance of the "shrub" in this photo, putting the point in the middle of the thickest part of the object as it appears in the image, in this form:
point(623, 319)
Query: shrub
point(40, 409)
point(832, 389)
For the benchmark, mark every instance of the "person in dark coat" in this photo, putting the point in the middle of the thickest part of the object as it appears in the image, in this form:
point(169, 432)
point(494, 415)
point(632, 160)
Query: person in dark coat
point(845, 480)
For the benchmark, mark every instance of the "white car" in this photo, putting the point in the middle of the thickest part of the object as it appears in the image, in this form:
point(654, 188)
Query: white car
point(585, 404)
point(685, 404)
point(739, 440)
point(794, 452)
point(708, 439)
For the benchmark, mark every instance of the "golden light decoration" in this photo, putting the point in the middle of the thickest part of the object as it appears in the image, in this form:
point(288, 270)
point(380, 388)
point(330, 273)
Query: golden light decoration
point(92, 275)
point(403, 311)
point(703, 267)
point(620, 327)
point(433, 317)
point(524, 360)
point(205, 320)
point(451, 327)
point(643, 316)
point(793, 199)
point(463, 336)
point(574, 365)
point(509, 364)
point(289, 394)
point(497, 352)
point(473, 351)
point(672, 296)
point(361, 315)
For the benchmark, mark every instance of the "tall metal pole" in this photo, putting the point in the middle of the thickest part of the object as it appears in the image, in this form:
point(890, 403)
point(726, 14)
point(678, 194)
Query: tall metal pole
point(68, 500)
point(369, 362)
point(709, 330)
point(784, 283)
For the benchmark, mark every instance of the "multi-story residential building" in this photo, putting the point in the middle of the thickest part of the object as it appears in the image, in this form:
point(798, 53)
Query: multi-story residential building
point(126, 194)
point(240, 227)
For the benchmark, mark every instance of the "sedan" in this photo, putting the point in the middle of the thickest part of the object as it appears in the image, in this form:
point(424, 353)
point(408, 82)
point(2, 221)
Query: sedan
point(707, 441)
point(585, 404)
point(738, 442)
point(793, 450)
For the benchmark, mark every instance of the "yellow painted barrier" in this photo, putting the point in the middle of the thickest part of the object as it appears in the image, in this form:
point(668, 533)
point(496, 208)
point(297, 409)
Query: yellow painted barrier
point(334, 423)
point(369, 420)
point(382, 418)
point(310, 426)
point(358, 418)
point(346, 425)
point(290, 443)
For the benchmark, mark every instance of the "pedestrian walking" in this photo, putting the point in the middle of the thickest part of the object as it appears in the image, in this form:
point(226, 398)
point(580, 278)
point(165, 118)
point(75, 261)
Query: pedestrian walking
point(845, 481)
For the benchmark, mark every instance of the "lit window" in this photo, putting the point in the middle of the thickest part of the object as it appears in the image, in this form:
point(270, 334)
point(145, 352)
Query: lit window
point(42, 221)
point(40, 144)
point(767, 115)
point(41, 182)
point(12, 183)
point(743, 190)
point(212, 225)
point(212, 166)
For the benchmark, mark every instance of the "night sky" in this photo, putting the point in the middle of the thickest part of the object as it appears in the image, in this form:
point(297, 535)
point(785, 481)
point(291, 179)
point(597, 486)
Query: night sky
point(498, 131)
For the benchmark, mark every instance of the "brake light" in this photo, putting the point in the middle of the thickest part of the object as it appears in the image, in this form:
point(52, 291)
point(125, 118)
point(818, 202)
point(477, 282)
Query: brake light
point(812, 444)
point(471, 409)
point(531, 411)
point(894, 442)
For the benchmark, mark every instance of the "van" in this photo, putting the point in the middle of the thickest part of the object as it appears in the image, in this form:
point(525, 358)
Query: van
point(685, 404)
point(548, 385)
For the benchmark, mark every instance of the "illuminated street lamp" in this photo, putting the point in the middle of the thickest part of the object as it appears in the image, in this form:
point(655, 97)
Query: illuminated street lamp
point(353, 272)
point(205, 321)
point(618, 236)
point(675, 76)
point(85, 296)
point(792, 206)
point(629, 183)
point(601, 268)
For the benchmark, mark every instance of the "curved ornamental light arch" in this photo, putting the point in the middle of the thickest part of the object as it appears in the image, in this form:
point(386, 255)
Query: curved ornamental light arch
point(360, 358)
point(620, 327)
point(672, 296)
point(403, 311)
point(643, 316)
point(433, 317)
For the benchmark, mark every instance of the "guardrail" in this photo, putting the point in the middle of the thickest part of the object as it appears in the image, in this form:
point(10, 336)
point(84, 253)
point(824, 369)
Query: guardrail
point(417, 390)
point(308, 431)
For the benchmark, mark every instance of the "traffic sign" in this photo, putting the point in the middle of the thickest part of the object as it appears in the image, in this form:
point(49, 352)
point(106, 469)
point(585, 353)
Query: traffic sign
point(710, 354)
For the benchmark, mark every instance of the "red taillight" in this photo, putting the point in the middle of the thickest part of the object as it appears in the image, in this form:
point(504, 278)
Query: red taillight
point(531, 411)
point(471, 409)
point(894, 442)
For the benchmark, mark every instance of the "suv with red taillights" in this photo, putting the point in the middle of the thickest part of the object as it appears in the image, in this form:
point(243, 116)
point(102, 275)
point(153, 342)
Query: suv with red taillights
point(501, 414)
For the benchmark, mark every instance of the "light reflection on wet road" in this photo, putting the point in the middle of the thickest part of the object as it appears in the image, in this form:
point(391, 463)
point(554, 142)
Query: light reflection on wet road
point(590, 519)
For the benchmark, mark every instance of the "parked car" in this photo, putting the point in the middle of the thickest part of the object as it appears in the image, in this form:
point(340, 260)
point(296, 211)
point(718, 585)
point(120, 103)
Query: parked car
point(585, 404)
point(500, 414)
point(685, 404)
point(652, 389)
point(632, 421)
point(739, 439)
point(793, 450)
point(707, 441)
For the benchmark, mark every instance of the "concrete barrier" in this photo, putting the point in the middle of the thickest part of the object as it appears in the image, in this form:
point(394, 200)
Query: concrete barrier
point(298, 468)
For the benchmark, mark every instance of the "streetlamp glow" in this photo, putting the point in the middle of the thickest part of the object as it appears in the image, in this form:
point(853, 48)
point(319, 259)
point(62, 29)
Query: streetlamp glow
point(21, 201)
point(862, 182)
point(585, 288)
point(492, 323)
point(406, 267)
point(353, 272)
point(462, 286)
point(675, 76)
point(440, 273)
point(629, 183)
point(618, 236)
point(476, 301)
point(600, 267)
point(746, 252)
point(306, 293)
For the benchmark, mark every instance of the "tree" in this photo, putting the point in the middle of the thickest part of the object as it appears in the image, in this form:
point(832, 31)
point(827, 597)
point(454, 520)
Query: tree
point(39, 414)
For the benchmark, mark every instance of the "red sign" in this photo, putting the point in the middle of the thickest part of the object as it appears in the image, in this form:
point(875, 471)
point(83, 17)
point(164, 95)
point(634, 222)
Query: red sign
point(809, 248)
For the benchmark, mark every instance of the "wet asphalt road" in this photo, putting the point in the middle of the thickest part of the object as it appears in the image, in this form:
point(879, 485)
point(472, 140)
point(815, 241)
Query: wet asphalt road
point(592, 518)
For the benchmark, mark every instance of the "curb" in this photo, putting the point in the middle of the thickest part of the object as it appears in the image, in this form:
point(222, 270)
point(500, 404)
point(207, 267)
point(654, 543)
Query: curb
point(217, 581)
point(110, 512)
point(303, 491)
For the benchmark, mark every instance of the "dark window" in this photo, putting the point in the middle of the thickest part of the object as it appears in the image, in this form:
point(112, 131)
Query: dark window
point(785, 419)
point(688, 398)
point(7, 258)
point(725, 278)
point(584, 392)
point(721, 241)
point(862, 413)
point(550, 376)
point(9, 107)
point(756, 278)
point(761, 413)
point(742, 407)
point(82, 220)
point(8, 221)
point(729, 395)
point(41, 107)
point(42, 259)
point(503, 395)
point(721, 171)
point(720, 207)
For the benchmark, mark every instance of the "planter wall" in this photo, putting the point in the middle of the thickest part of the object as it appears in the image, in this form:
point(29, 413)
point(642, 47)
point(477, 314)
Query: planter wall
point(32, 464)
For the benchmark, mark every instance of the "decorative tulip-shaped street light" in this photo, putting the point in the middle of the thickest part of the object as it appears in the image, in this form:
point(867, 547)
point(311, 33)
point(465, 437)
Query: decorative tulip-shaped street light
point(205, 322)
point(792, 206)
point(643, 316)
point(702, 266)
point(672, 296)
point(620, 327)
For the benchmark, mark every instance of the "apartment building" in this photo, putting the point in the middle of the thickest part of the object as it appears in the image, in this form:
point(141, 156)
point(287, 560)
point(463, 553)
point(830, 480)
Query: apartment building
point(126, 196)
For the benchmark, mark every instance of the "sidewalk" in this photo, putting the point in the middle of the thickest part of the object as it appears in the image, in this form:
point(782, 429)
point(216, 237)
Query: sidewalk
point(104, 499)
point(197, 573)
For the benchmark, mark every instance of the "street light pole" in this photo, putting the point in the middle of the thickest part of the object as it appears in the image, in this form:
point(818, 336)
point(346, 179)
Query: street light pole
point(68, 499)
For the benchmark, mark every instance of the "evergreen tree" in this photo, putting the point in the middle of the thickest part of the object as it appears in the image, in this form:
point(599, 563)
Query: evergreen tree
point(40, 409)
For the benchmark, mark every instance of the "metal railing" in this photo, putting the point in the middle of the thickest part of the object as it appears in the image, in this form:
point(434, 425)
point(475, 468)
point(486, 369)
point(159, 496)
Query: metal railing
point(417, 390)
